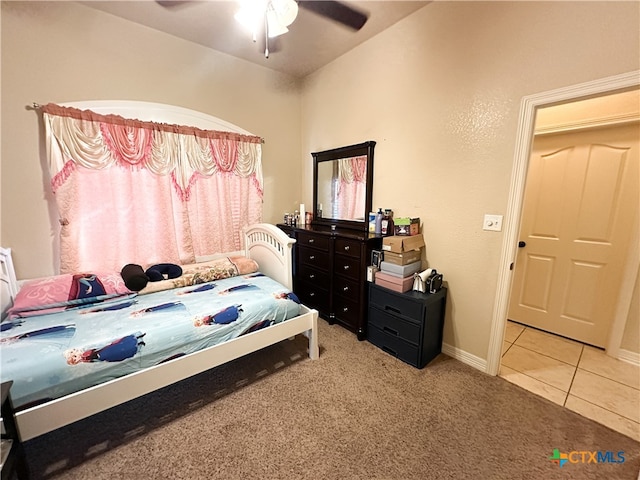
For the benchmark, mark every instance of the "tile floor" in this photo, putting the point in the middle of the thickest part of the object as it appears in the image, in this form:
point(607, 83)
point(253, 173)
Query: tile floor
point(576, 376)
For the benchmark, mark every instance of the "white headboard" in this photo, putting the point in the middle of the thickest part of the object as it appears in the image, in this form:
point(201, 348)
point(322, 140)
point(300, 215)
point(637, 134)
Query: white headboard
point(271, 248)
point(8, 281)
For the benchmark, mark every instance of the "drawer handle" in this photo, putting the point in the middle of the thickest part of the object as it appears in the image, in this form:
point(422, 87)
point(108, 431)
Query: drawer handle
point(345, 289)
point(311, 240)
point(392, 309)
point(312, 257)
point(390, 330)
point(346, 248)
point(345, 309)
point(312, 276)
point(312, 294)
point(346, 267)
point(389, 351)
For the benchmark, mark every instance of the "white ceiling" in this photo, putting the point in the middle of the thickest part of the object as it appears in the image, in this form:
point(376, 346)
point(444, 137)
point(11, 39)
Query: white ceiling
point(312, 40)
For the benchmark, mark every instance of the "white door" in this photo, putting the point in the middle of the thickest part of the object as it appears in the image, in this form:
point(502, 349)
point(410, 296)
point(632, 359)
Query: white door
point(581, 202)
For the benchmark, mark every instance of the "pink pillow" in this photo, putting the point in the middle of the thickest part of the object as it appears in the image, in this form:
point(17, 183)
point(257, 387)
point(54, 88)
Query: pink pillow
point(56, 289)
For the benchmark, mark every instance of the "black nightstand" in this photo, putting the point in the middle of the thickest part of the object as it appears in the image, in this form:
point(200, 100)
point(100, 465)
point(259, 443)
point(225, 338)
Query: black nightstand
point(13, 458)
point(407, 325)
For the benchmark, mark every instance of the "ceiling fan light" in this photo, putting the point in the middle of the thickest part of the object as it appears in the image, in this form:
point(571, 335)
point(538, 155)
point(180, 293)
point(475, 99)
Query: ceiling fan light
point(274, 26)
point(286, 10)
point(251, 14)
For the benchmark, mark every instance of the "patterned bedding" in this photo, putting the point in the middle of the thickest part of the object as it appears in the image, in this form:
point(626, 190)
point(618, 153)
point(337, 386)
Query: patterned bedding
point(54, 354)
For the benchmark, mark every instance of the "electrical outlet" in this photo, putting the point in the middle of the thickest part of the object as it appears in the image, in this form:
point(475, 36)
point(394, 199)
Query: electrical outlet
point(492, 223)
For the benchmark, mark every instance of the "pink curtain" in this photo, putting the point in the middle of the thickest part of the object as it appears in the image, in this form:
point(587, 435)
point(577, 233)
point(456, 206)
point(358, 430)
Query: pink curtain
point(351, 195)
point(142, 192)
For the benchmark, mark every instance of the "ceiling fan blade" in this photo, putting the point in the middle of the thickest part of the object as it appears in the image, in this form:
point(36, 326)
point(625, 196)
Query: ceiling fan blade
point(337, 11)
point(173, 3)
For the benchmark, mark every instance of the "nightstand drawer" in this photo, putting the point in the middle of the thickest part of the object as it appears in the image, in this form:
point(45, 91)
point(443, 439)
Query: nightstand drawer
point(407, 352)
point(320, 242)
point(395, 326)
point(397, 304)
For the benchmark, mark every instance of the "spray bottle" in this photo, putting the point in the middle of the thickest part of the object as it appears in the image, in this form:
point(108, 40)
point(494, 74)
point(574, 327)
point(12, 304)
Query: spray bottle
point(379, 222)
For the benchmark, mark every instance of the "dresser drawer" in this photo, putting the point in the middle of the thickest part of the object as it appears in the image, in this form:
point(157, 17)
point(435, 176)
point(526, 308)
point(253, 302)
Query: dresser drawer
point(394, 326)
point(346, 246)
point(346, 310)
point(313, 296)
point(320, 242)
point(398, 304)
point(346, 287)
point(347, 266)
point(407, 352)
point(313, 275)
point(312, 257)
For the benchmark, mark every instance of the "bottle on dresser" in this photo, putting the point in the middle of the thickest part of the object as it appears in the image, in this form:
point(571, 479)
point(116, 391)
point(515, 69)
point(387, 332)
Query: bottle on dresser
point(379, 216)
point(387, 222)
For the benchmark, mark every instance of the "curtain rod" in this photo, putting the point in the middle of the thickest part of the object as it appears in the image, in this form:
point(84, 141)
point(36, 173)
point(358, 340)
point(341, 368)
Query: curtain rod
point(37, 106)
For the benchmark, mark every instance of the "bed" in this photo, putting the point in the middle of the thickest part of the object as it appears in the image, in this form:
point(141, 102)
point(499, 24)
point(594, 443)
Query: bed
point(215, 322)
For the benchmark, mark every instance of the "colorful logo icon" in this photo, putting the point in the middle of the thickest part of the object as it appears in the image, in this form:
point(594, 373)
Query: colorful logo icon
point(559, 458)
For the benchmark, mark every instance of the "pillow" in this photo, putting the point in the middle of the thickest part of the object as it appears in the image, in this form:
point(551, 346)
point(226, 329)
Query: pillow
point(157, 272)
point(85, 285)
point(62, 288)
point(196, 273)
point(134, 277)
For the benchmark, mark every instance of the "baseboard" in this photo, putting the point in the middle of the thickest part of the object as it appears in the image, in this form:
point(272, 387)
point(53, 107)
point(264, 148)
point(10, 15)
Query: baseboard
point(465, 357)
point(630, 357)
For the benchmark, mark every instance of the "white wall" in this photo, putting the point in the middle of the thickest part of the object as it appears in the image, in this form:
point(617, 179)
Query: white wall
point(64, 51)
point(440, 92)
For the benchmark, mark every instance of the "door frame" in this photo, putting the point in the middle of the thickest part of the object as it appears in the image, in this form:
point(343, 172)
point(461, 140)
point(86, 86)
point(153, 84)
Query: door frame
point(524, 141)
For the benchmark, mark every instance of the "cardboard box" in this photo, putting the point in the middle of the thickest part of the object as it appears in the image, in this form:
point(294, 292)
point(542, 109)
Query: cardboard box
point(404, 258)
point(401, 270)
point(406, 226)
point(400, 244)
point(397, 284)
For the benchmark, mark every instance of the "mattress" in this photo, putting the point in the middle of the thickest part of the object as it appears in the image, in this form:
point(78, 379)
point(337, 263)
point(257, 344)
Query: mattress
point(51, 355)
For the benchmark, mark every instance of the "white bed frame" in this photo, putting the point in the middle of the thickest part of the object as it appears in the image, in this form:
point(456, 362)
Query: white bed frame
point(270, 247)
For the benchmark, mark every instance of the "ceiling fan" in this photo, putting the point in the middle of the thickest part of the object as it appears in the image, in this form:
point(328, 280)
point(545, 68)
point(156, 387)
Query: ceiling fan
point(276, 15)
point(272, 17)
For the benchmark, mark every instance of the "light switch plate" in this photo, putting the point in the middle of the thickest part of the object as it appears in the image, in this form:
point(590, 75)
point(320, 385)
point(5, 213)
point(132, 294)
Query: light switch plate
point(492, 223)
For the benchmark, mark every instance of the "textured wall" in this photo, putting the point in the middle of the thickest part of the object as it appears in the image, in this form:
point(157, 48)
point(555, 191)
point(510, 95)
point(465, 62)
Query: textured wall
point(440, 92)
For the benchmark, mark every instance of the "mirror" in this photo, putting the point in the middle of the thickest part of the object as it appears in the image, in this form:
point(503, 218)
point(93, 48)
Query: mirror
point(342, 186)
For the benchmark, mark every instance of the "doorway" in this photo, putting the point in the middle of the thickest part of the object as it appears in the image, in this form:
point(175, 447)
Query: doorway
point(524, 140)
point(531, 106)
point(578, 217)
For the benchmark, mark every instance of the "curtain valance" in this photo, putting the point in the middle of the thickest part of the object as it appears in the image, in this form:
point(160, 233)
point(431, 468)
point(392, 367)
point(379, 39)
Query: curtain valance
point(353, 169)
point(95, 141)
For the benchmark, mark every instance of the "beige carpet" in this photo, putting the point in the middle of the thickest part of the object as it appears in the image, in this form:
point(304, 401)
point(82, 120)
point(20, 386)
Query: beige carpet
point(356, 413)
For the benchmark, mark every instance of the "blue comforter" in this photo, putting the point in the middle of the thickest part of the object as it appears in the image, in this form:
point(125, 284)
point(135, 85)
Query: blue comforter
point(52, 355)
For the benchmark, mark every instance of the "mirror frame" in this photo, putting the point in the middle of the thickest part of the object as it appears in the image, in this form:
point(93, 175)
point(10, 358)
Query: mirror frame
point(365, 148)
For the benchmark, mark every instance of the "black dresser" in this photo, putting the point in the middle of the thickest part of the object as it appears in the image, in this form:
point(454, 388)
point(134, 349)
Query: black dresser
point(330, 272)
point(407, 325)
